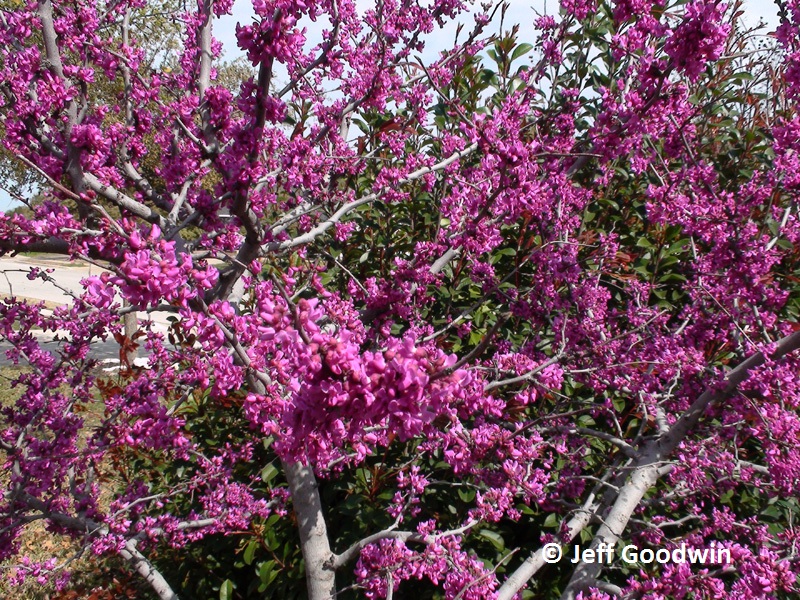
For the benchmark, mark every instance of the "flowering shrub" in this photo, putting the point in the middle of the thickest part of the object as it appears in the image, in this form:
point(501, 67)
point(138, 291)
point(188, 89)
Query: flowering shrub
point(427, 318)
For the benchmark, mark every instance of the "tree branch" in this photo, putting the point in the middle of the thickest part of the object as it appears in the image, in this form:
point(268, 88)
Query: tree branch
point(520, 577)
point(124, 201)
point(624, 446)
point(129, 552)
point(146, 569)
point(336, 217)
point(339, 560)
point(649, 467)
point(320, 575)
point(524, 377)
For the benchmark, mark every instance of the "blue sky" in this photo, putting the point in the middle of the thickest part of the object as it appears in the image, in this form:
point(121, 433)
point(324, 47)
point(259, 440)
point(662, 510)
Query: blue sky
point(520, 11)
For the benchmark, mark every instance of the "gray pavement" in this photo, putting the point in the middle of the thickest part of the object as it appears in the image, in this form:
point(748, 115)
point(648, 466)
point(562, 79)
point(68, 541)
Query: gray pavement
point(14, 278)
point(105, 352)
point(67, 277)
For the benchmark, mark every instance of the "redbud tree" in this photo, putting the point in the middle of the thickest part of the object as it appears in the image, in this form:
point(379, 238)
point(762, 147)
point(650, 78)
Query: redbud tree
point(428, 315)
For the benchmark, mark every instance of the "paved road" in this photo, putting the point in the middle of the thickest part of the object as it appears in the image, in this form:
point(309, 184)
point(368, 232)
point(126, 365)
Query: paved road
point(106, 352)
point(14, 278)
point(14, 282)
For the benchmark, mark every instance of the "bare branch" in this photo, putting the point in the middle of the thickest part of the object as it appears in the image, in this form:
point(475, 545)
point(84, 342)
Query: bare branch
point(45, 10)
point(351, 206)
point(320, 574)
point(521, 378)
point(339, 560)
point(124, 201)
point(649, 467)
point(520, 577)
point(206, 56)
point(146, 569)
point(626, 448)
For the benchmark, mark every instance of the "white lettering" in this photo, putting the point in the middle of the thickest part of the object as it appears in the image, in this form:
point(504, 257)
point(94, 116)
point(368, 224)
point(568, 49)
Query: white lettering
point(629, 554)
point(698, 556)
point(726, 552)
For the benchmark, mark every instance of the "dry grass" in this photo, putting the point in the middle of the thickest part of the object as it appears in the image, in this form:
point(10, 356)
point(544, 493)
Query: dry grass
point(48, 304)
point(93, 578)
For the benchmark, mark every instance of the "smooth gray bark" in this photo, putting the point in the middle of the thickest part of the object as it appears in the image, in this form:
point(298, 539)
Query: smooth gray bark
point(320, 575)
point(649, 465)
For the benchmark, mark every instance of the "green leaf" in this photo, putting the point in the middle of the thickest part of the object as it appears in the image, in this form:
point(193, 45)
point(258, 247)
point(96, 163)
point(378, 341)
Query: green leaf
point(475, 337)
point(669, 260)
point(268, 473)
point(678, 246)
point(265, 569)
point(672, 278)
point(520, 51)
point(495, 538)
point(741, 76)
point(466, 495)
point(250, 551)
point(226, 590)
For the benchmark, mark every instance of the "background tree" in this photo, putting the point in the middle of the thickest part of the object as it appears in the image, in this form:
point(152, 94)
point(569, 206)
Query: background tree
point(532, 292)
